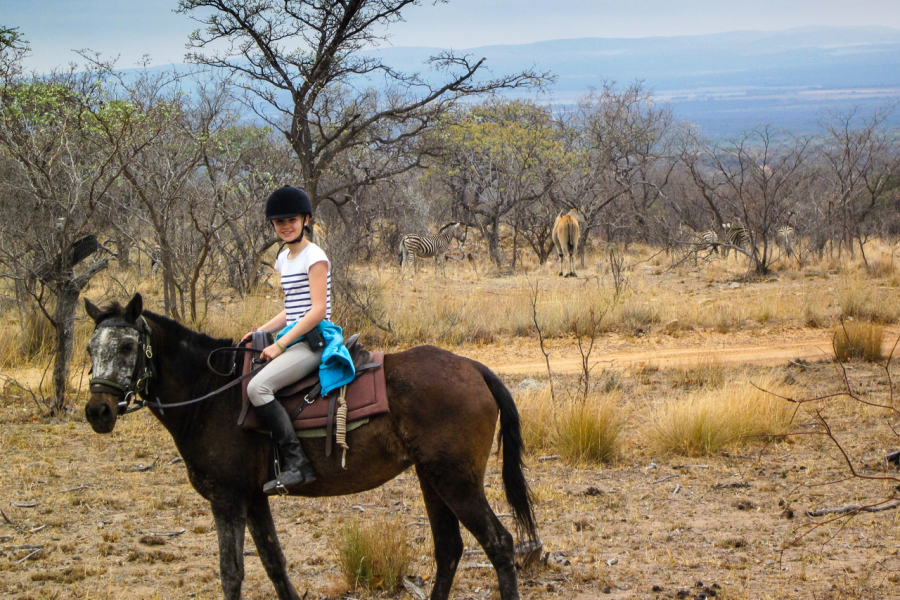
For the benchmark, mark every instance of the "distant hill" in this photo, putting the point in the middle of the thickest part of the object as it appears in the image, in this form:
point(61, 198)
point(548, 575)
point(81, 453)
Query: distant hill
point(725, 82)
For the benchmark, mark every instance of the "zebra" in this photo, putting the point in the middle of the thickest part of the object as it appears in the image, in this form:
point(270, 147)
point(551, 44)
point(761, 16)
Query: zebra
point(786, 238)
point(736, 236)
point(426, 246)
point(707, 240)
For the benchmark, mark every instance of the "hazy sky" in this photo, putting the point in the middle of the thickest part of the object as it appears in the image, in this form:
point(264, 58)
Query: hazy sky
point(133, 28)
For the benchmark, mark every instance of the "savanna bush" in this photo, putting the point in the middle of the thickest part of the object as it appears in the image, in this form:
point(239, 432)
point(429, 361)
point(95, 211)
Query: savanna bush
point(374, 555)
point(708, 421)
point(580, 431)
point(858, 340)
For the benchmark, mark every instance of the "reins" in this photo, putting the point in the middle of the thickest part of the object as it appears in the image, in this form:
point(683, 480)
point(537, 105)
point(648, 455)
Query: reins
point(144, 372)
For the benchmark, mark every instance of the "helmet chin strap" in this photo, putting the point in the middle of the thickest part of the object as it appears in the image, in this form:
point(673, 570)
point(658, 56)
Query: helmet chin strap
point(299, 239)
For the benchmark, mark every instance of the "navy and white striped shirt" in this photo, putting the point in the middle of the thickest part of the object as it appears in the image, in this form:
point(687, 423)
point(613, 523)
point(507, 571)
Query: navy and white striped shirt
point(295, 281)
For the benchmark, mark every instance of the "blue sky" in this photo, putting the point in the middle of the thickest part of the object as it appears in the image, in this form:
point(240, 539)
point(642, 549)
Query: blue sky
point(134, 28)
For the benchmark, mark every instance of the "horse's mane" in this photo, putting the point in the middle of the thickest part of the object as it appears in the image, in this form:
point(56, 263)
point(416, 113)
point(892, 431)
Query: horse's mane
point(173, 332)
point(448, 226)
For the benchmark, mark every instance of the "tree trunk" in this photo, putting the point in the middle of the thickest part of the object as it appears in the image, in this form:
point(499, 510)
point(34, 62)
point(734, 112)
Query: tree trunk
point(515, 247)
point(66, 302)
point(123, 250)
point(494, 241)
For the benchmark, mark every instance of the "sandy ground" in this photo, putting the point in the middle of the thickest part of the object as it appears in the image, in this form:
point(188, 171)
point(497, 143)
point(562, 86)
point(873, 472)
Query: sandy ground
point(113, 517)
point(89, 516)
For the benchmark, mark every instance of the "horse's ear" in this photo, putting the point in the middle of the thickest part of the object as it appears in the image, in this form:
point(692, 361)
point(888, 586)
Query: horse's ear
point(134, 308)
point(91, 309)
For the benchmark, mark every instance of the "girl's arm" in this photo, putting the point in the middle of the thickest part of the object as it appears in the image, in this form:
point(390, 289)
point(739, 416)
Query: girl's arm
point(273, 325)
point(318, 292)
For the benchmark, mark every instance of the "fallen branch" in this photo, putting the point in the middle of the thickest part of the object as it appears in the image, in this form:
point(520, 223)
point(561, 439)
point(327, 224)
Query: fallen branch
point(21, 560)
point(138, 468)
point(855, 508)
point(83, 486)
point(666, 478)
point(168, 533)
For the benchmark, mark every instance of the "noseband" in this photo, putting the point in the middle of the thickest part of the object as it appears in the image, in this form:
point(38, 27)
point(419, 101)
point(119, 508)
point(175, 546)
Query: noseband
point(140, 378)
point(144, 372)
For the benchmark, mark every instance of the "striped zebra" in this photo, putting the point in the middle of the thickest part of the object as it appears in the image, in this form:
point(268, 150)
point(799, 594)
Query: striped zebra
point(699, 241)
point(425, 246)
point(736, 236)
point(707, 240)
point(786, 239)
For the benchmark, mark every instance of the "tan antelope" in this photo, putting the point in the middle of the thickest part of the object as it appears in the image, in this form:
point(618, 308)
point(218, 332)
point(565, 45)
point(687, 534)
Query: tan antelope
point(566, 232)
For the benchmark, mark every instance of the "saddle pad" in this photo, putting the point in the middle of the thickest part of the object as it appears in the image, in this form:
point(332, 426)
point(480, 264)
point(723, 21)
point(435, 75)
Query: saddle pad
point(366, 397)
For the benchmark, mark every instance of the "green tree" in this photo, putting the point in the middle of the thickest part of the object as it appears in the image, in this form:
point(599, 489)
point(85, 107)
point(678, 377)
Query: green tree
point(500, 158)
point(58, 139)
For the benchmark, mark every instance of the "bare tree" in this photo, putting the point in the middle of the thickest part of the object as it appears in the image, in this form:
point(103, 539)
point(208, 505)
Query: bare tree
point(613, 140)
point(58, 140)
point(299, 63)
point(861, 159)
point(753, 181)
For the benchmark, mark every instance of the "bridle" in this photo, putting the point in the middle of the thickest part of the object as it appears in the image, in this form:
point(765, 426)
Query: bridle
point(143, 372)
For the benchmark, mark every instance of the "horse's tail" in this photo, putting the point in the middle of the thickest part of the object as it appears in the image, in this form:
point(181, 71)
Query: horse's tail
point(510, 440)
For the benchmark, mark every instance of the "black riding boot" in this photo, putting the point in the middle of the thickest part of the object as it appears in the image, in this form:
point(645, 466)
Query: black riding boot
point(295, 467)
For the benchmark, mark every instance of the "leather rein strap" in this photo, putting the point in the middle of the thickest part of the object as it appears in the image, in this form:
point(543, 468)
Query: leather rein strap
point(144, 372)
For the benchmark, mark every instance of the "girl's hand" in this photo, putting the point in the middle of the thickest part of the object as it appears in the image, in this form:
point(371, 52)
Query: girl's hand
point(271, 352)
point(247, 336)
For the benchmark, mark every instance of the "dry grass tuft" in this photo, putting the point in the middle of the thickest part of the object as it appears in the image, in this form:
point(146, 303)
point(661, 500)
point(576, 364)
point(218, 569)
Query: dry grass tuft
point(858, 340)
point(588, 432)
point(709, 421)
point(38, 335)
point(580, 432)
point(708, 373)
point(374, 555)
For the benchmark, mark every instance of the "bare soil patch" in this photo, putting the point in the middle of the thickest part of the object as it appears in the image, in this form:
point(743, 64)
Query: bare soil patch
point(89, 516)
point(113, 517)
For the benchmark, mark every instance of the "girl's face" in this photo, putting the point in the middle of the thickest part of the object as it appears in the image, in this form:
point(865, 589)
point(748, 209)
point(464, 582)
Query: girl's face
point(289, 227)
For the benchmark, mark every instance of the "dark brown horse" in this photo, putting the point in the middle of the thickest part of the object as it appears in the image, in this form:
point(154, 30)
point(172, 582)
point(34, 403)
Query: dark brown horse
point(443, 414)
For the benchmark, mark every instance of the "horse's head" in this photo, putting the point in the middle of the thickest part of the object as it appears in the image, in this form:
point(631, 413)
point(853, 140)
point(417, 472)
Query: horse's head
point(119, 356)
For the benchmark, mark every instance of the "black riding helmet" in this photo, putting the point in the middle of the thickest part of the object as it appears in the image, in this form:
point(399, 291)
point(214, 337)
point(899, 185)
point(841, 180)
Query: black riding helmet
point(287, 201)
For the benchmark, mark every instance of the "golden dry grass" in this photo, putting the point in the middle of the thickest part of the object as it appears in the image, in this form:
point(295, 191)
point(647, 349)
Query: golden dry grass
point(373, 554)
point(856, 339)
point(580, 431)
point(709, 421)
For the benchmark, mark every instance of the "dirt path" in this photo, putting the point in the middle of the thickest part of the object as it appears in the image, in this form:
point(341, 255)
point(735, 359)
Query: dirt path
point(765, 350)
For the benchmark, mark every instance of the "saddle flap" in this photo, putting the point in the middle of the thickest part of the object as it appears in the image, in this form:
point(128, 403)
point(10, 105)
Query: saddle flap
point(366, 396)
point(260, 340)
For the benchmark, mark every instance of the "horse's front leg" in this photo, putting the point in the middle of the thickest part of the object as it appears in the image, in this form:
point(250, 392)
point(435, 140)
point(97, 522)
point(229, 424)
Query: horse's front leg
point(231, 520)
point(262, 528)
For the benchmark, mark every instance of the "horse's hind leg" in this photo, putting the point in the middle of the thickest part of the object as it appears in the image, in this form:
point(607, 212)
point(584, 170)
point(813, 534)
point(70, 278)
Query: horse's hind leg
point(262, 528)
point(448, 545)
point(467, 501)
point(230, 527)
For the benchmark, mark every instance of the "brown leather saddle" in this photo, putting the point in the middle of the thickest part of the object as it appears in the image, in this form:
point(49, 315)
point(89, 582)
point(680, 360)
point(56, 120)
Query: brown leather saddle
point(366, 395)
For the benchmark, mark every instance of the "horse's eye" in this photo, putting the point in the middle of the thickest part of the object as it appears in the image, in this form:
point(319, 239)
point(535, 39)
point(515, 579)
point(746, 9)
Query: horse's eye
point(126, 347)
